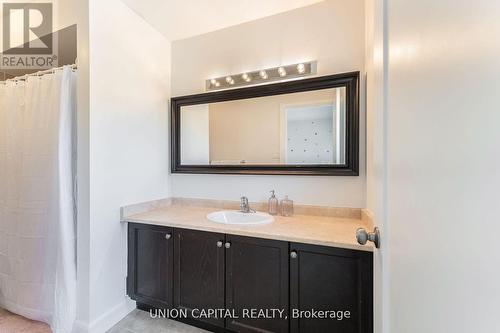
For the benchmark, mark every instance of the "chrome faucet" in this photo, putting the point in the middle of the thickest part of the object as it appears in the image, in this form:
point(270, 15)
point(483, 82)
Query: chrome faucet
point(244, 206)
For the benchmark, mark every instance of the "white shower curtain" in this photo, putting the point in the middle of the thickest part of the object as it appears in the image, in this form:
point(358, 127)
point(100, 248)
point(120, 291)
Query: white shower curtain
point(37, 214)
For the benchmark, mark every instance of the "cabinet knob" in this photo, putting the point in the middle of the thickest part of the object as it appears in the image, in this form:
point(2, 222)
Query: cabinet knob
point(293, 254)
point(227, 245)
point(168, 236)
point(219, 243)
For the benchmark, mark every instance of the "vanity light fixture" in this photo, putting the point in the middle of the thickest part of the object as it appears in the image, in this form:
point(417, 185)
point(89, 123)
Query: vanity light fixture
point(301, 68)
point(215, 83)
point(246, 77)
point(282, 71)
point(263, 76)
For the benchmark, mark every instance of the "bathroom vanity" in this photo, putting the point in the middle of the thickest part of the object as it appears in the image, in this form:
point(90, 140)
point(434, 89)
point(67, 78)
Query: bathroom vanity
point(299, 267)
point(308, 271)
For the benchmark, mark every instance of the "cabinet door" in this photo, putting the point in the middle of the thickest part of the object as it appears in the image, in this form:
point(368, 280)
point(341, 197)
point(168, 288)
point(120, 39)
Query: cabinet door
point(256, 278)
point(150, 264)
point(330, 279)
point(199, 272)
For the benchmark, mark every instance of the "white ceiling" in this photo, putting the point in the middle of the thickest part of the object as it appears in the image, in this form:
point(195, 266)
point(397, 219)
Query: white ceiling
point(178, 19)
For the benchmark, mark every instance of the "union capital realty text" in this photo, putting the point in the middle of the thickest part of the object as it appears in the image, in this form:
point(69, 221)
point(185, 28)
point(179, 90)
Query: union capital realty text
point(248, 313)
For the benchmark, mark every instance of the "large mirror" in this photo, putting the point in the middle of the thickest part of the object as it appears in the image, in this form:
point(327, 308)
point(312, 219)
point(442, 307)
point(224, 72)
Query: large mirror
point(300, 127)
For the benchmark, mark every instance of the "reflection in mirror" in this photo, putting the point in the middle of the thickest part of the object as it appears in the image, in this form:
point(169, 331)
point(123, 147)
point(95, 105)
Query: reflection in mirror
point(306, 128)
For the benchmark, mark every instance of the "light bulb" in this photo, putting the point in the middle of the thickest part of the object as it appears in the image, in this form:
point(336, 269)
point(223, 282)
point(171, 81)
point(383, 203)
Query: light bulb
point(282, 71)
point(301, 68)
point(229, 79)
point(217, 83)
point(213, 81)
point(244, 76)
point(263, 74)
point(231, 82)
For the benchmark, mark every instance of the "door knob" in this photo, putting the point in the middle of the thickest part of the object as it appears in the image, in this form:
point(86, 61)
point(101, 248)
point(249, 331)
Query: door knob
point(168, 236)
point(227, 245)
point(293, 254)
point(219, 243)
point(363, 236)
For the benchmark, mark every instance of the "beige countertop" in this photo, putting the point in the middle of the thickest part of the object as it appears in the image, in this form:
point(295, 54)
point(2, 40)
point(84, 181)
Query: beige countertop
point(318, 230)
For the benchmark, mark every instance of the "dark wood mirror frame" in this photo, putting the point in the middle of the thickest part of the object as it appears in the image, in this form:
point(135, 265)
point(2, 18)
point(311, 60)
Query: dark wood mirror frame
point(351, 168)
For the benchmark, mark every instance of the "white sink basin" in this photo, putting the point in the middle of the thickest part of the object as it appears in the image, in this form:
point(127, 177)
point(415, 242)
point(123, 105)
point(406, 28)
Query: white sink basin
point(237, 217)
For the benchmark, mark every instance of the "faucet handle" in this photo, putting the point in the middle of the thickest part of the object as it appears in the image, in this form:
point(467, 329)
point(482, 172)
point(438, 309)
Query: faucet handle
point(244, 206)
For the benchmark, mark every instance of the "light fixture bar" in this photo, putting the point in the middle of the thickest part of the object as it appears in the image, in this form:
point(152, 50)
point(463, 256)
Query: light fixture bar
point(262, 76)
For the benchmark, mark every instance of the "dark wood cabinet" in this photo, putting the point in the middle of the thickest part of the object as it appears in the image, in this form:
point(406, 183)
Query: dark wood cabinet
point(331, 279)
point(257, 278)
point(199, 272)
point(286, 282)
point(150, 264)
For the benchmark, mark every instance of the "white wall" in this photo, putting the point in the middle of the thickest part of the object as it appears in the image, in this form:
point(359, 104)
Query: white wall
point(195, 136)
point(129, 92)
point(66, 12)
point(331, 32)
point(83, 167)
point(441, 193)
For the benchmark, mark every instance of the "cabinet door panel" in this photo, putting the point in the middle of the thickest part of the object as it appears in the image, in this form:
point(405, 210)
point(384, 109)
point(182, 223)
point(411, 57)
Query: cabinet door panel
point(199, 272)
point(150, 264)
point(330, 279)
point(256, 278)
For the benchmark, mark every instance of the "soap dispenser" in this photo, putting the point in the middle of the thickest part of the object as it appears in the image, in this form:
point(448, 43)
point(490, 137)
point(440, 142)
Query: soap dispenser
point(286, 207)
point(273, 204)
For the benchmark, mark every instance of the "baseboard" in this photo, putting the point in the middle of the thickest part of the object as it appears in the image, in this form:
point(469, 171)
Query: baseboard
point(80, 327)
point(107, 320)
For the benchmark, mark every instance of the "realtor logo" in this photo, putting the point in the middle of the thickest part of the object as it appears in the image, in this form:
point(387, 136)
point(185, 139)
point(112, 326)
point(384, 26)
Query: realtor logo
point(27, 28)
point(27, 36)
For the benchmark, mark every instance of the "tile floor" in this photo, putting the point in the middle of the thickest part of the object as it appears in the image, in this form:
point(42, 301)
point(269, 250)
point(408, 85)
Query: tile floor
point(140, 322)
point(136, 322)
point(11, 323)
